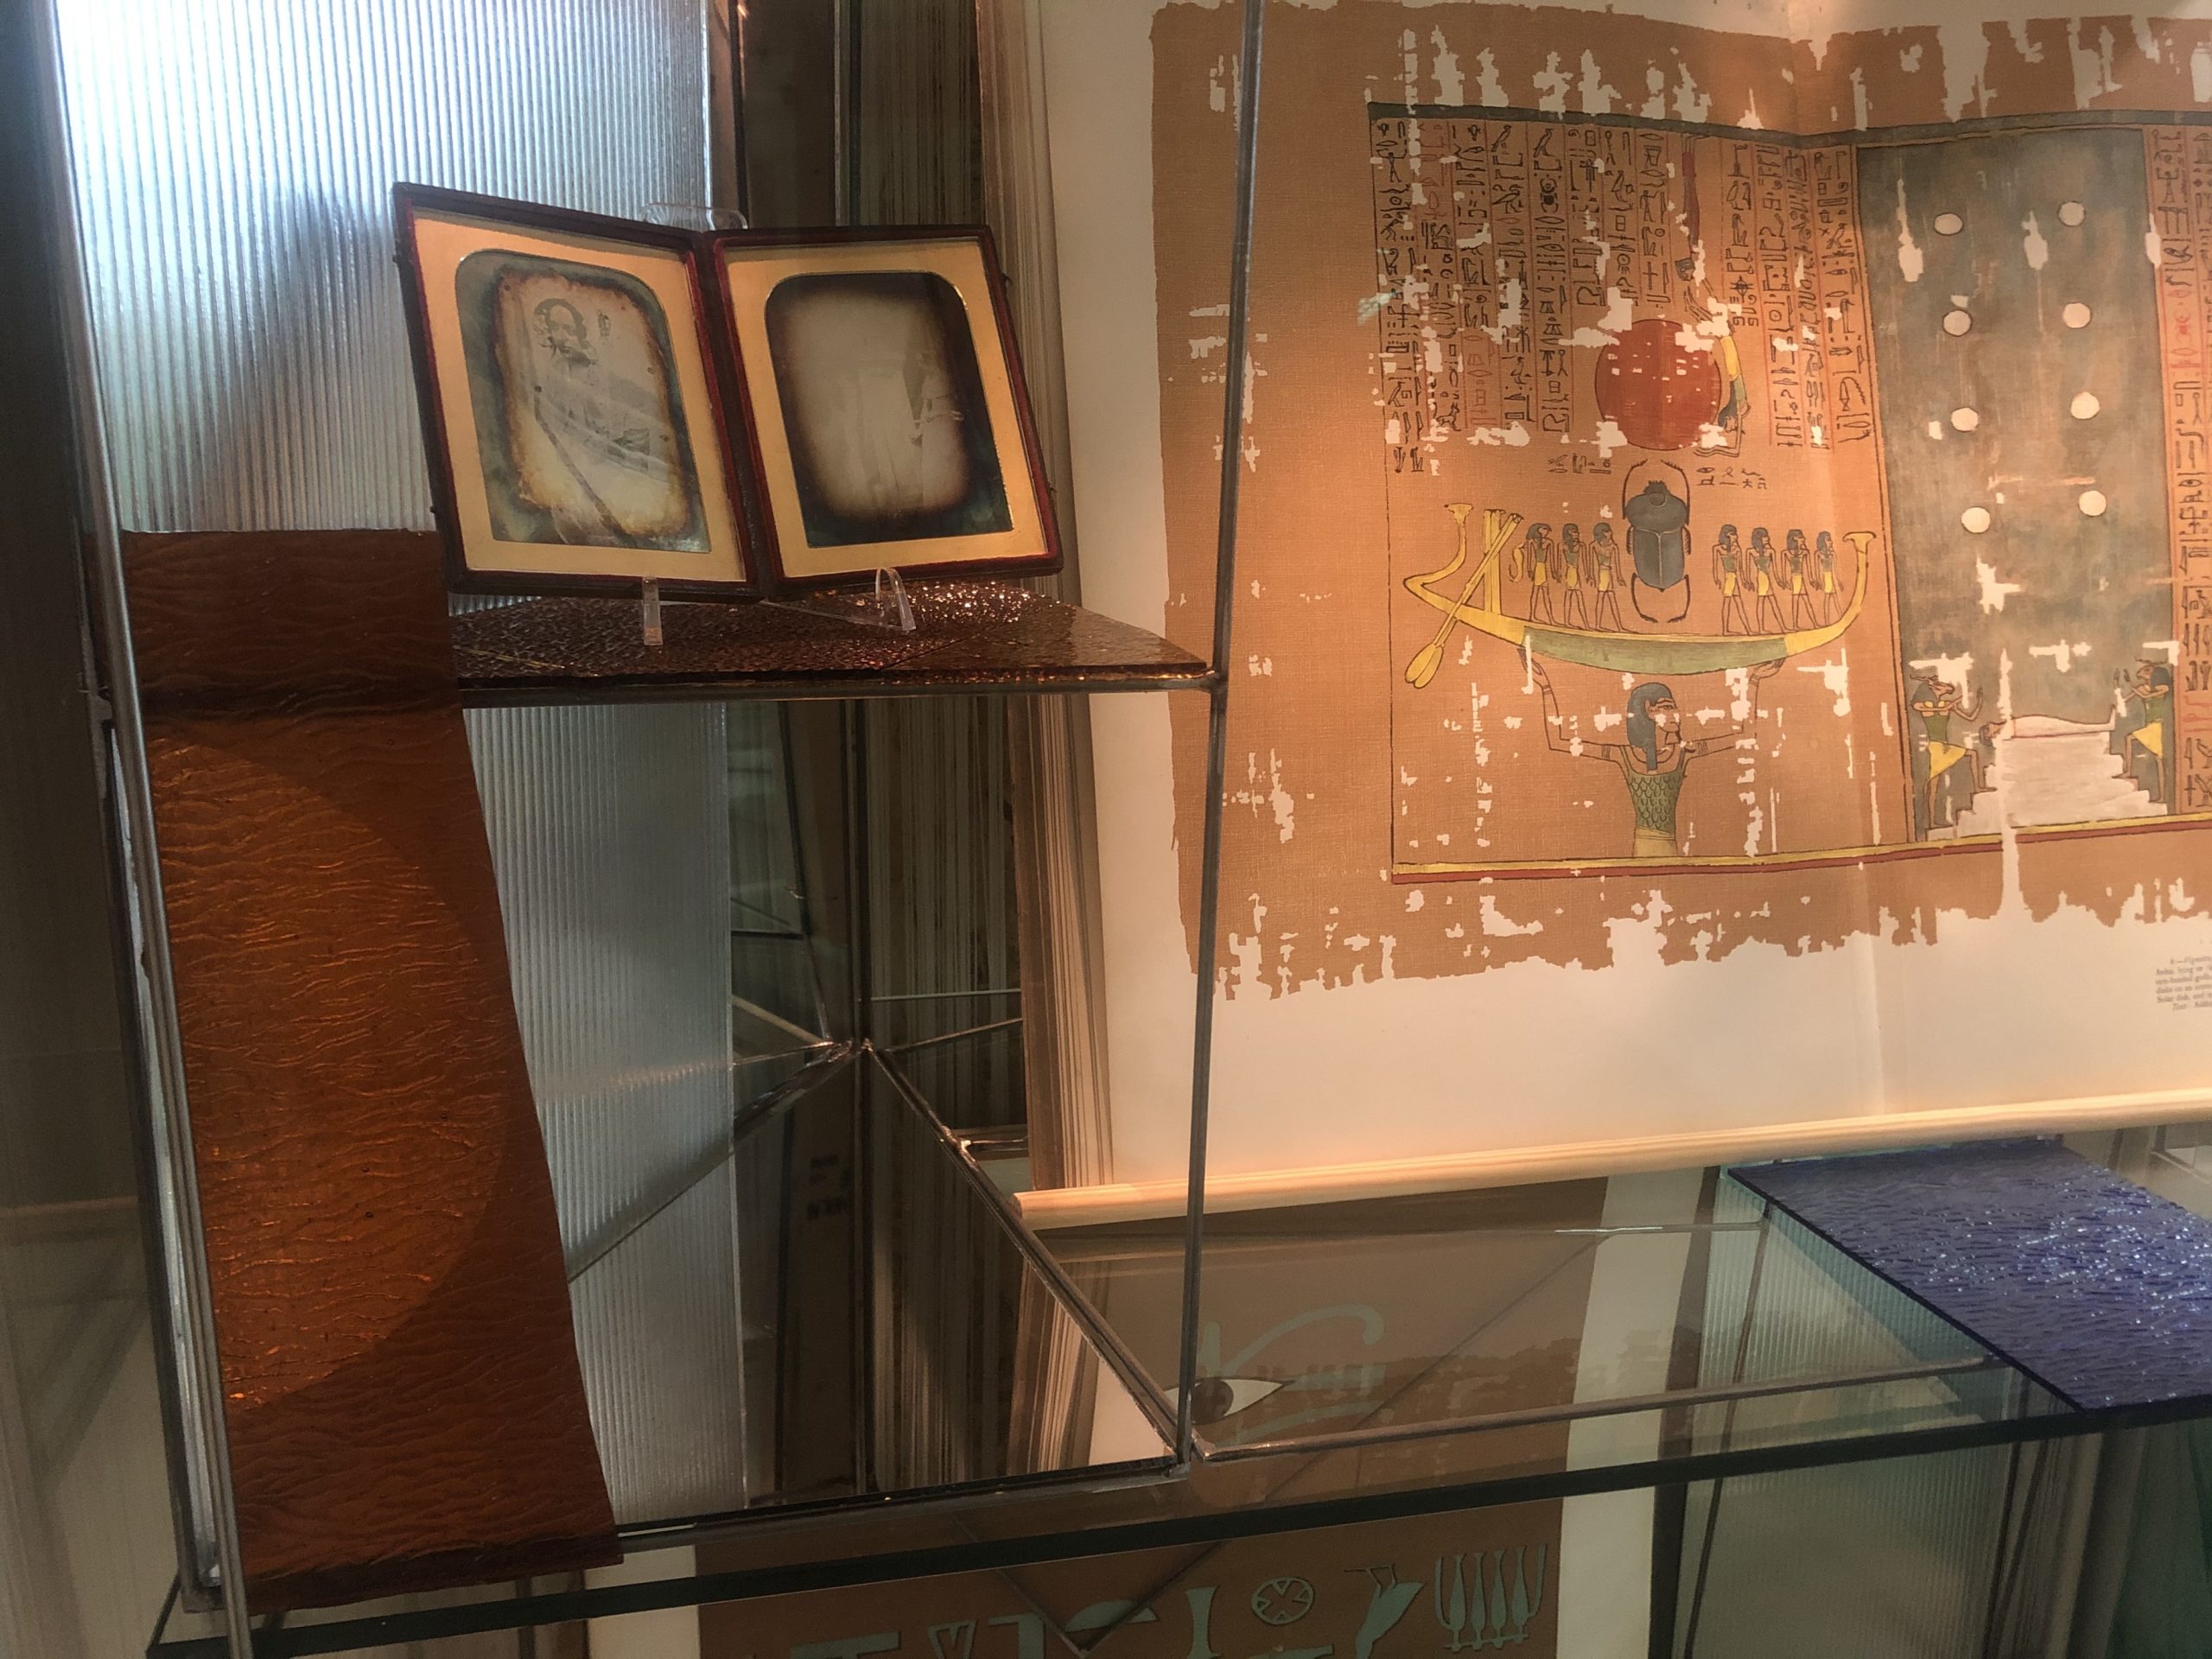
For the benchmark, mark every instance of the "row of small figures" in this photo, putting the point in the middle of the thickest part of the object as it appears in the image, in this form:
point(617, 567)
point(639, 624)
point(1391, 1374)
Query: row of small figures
point(1763, 588)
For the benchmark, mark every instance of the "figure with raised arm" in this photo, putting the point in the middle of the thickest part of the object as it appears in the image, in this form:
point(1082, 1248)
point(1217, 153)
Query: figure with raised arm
point(2146, 732)
point(1938, 702)
point(1654, 758)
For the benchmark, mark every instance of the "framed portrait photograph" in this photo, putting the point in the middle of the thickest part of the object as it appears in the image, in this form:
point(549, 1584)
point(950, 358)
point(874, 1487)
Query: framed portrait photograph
point(573, 400)
point(890, 424)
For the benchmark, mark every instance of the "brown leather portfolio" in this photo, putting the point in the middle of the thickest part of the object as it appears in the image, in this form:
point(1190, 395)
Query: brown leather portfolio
point(403, 1399)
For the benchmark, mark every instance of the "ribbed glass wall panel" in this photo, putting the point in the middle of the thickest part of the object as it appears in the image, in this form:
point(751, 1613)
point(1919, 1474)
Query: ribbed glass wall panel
point(232, 162)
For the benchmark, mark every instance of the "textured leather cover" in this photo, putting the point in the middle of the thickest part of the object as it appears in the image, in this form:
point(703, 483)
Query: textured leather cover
point(404, 1397)
point(2098, 1289)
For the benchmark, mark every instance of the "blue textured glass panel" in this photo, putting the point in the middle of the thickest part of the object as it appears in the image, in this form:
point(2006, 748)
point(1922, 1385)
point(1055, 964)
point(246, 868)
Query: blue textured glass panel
point(2099, 1290)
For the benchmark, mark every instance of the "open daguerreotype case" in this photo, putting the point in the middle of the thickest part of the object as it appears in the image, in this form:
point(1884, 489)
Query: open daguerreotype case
point(1642, 644)
point(609, 402)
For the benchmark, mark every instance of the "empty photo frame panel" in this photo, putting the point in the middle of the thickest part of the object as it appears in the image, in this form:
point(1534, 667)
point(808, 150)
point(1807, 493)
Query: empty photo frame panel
point(887, 406)
point(884, 405)
point(570, 403)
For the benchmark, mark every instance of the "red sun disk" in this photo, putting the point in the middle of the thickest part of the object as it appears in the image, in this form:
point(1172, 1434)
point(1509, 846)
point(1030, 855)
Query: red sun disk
point(1660, 393)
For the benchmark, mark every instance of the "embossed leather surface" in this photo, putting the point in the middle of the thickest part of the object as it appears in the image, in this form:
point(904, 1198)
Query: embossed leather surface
point(2098, 1289)
point(404, 1398)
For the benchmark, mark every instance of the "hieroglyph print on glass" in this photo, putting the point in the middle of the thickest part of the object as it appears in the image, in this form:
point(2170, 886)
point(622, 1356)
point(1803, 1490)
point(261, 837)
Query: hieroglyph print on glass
point(579, 424)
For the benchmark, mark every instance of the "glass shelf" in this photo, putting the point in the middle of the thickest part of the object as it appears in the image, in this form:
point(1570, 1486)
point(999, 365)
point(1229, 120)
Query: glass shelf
point(935, 1400)
point(1512, 1365)
point(968, 637)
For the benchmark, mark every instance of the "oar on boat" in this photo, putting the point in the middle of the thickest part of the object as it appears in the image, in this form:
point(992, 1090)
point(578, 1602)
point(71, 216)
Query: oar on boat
point(1497, 529)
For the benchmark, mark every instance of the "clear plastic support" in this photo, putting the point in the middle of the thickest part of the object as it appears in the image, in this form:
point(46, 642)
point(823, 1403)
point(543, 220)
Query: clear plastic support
point(694, 216)
point(885, 606)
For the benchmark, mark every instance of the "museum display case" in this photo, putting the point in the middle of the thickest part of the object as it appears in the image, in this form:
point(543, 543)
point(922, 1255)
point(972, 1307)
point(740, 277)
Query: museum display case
point(1366, 1019)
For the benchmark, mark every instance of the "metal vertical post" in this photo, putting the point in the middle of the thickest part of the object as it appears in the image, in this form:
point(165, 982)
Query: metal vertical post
point(802, 881)
point(1225, 591)
point(1727, 1430)
point(845, 22)
point(844, 108)
point(111, 615)
point(722, 40)
point(859, 935)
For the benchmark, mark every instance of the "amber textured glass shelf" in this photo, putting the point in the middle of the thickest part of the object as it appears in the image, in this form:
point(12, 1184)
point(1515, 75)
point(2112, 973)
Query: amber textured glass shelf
point(970, 636)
